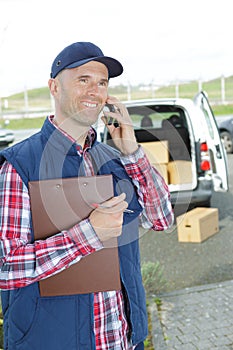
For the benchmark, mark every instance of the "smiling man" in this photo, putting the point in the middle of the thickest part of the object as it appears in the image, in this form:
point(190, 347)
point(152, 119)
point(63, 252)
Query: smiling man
point(80, 95)
point(67, 147)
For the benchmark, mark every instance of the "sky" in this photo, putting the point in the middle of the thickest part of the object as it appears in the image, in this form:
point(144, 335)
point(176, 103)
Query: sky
point(157, 41)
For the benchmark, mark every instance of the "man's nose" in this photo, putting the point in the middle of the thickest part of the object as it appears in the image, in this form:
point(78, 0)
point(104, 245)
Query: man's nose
point(93, 88)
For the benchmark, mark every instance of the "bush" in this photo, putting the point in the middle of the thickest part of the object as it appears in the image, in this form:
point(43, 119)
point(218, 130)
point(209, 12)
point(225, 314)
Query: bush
point(152, 276)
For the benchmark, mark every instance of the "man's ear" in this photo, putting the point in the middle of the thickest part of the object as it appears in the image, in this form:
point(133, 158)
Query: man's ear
point(52, 83)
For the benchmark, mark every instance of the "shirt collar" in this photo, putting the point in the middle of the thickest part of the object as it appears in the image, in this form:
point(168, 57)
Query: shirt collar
point(89, 139)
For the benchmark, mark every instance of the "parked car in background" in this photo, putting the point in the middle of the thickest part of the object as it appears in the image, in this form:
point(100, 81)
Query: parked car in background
point(226, 133)
point(182, 140)
point(6, 137)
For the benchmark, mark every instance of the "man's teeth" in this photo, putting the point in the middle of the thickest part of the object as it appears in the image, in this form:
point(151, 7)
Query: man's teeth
point(90, 105)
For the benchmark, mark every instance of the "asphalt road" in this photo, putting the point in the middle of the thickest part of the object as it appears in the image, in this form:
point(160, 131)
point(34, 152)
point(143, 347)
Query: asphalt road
point(193, 264)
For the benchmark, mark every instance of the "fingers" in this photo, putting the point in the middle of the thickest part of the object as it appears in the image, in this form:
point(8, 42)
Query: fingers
point(119, 107)
point(113, 205)
point(120, 114)
point(107, 218)
point(114, 200)
point(123, 136)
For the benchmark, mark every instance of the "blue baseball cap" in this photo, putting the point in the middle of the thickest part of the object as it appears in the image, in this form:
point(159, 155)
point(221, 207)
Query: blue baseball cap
point(79, 53)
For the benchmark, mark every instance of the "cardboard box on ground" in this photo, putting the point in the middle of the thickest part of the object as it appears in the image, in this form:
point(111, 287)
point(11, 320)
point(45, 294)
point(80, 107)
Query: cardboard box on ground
point(197, 225)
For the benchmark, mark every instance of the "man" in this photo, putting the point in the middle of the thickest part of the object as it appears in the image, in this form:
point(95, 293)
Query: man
point(67, 147)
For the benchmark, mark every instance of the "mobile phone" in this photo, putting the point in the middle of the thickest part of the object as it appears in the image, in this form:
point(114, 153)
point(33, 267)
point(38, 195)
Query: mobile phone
point(111, 120)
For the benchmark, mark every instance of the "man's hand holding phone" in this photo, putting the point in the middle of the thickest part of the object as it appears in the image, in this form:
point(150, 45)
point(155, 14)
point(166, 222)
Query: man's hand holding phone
point(120, 126)
point(110, 120)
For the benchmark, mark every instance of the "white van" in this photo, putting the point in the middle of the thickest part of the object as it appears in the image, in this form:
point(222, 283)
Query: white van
point(181, 138)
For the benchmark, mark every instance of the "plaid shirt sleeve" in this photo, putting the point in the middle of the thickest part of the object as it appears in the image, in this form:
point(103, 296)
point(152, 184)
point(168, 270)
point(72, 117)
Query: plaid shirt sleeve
point(153, 192)
point(23, 262)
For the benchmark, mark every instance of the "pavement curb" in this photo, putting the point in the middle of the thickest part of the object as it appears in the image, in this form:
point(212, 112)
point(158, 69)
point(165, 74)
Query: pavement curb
point(157, 331)
point(196, 289)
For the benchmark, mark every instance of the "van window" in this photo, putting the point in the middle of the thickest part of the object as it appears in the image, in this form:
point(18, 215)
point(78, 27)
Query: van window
point(155, 116)
point(208, 122)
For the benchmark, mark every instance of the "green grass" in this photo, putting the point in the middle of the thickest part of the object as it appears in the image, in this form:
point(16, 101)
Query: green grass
point(36, 123)
point(25, 123)
point(222, 109)
point(40, 99)
point(37, 98)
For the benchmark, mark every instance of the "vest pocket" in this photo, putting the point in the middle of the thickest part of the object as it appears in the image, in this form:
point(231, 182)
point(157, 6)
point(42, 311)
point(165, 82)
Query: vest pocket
point(52, 326)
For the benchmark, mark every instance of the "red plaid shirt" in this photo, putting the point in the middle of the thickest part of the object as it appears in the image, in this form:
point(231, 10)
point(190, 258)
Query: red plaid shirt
point(23, 262)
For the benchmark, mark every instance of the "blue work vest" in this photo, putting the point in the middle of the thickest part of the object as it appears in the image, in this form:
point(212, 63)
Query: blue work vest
point(32, 322)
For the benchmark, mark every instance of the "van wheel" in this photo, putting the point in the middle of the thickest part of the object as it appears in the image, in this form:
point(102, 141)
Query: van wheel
point(227, 141)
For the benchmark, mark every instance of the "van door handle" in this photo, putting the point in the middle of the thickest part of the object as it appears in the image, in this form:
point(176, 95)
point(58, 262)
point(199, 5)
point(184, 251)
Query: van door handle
point(218, 152)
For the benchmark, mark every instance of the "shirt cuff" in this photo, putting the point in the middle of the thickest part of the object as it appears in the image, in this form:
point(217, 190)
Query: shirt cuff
point(136, 163)
point(134, 157)
point(85, 236)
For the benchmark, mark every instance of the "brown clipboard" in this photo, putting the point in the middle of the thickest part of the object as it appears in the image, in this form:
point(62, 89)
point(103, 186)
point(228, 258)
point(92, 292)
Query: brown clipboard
point(58, 204)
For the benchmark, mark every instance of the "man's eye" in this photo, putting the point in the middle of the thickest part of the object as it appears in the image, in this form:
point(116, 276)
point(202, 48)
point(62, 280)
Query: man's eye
point(103, 83)
point(83, 81)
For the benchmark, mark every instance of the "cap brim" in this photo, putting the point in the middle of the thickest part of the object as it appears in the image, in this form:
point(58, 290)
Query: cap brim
point(115, 68)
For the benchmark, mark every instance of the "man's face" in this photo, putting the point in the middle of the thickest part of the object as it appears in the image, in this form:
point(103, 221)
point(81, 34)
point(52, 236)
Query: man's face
point(82, 92)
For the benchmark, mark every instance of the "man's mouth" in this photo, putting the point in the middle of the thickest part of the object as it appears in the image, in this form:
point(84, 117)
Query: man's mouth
point(90, 105)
